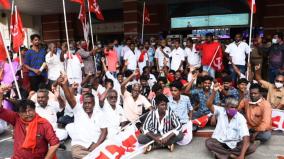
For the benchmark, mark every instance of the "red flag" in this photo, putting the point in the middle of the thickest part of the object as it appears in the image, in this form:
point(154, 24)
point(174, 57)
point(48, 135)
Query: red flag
point(3, 54)
point(217, 64)
point(83, 19)
point(252, 2)
point(5, 4)
point(146, 16)
point(95, 8)
point(17, 30)
point(78, 1)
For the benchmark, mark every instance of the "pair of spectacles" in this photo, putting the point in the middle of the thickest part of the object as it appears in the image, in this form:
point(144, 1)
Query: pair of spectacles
point(279, 81)
point(112, 97)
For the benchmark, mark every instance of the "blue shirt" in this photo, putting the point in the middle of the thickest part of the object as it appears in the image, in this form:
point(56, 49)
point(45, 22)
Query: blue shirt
point(151, 54)
point(232, 92)
point(203, 109)
point(35, 60)
point(181, 108)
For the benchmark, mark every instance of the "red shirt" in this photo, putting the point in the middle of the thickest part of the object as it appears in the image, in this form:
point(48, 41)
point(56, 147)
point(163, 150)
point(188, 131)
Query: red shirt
point(208, 51)
point(45, 136)
point(112, 59)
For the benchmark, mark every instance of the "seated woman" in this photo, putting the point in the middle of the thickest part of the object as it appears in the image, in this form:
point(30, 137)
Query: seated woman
point(161, 126)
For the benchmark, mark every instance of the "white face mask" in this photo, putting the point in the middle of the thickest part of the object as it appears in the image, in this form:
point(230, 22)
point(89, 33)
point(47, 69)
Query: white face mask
point(153, 44)
point(72, 51)
point(99, 45)
point(184, 43)
point(278, 85)
point(274, 41)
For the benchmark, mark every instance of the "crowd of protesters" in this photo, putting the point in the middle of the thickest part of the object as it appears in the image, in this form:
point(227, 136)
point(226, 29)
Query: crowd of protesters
point(162, 86)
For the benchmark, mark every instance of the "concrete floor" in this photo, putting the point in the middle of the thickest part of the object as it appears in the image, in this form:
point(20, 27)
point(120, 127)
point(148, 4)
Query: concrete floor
point(195, 150)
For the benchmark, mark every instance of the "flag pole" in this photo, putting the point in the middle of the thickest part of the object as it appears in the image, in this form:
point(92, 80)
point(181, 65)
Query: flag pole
point(91, 28)
point(16, 13)
point(12, 70)
point(66, 26)
point(213, 58)
point(9, 27)
point(143, 21)
point(250, 36)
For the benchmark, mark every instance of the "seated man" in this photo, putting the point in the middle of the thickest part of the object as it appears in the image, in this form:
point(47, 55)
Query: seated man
point(258, 113)
point(112, 111)
point(48, 109)
point(231, 135)
point(228, 90)
point(162, 126)
point(275, 94)
point(34, 136)
point(135, 105)
point(242, 84)
point(89, 129)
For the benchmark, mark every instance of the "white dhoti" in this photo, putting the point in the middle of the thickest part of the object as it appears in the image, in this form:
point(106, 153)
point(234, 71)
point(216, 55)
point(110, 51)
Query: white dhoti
point(61, 134)
point(187, 132)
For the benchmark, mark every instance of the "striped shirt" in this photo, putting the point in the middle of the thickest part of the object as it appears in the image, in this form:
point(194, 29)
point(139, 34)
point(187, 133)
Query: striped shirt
point(169, 122)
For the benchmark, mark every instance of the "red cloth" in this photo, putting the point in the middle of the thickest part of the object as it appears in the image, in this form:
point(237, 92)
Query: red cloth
point(252, 2)
point(45, 136)
point(17, 31)
point(3, 54)
point(208, 50)
point(70, 56)
point(141, 57)
point(5, 4)
point(95, 8)
point(201, 122)
point(78, 1)
point(146, 15)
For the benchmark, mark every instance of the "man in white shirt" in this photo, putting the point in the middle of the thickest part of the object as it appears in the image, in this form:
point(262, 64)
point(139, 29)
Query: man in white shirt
point(191, 54)
point(130, 58)
point(238, 51)
point(162, 55)
point(112, 111)
point(48, 109)
point(89, 129)
point(231, 136)
point(54, 65)
point(177, 56)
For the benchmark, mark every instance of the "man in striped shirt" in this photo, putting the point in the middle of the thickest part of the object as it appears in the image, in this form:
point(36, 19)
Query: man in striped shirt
point(162, 126)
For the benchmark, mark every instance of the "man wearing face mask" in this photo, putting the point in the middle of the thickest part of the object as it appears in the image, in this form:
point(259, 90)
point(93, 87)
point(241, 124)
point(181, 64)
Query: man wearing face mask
point(258, 112)
point(275, 94)
point(87, 57)
point(162, 54)
point(231, 138)
point(238, 51)
point(276, 56)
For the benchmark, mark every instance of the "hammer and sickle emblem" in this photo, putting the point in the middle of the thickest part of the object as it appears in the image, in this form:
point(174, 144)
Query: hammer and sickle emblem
point(218, 63)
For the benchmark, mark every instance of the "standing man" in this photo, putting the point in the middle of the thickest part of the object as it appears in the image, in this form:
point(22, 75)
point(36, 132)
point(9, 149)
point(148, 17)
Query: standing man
point(238, 50)
point(177, 56)
point(87, 58)
point(111, 58)
point(34, 136)
point(162, 55)
point(276, 56)
point(35, 62)
point(150, 51)
point(208, 50)
point(118, 49)
point(191, 54)
point(130, 59)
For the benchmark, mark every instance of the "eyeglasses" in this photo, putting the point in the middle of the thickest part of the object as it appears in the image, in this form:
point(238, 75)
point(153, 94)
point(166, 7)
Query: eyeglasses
point(279, 81)
point(112, 97)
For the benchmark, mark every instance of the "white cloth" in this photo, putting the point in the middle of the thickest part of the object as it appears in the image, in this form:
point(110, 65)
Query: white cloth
point(113, 118)
point(238, 53)
point(85, 130)
point(152, 80)
point(74, 71)
point(131, 58)
point(177, 56)
point(229, 133)
point(193, 56)
point(124, 50)
point(160, 56)
point(187, 132)
point(55, 66)
point(141, 65)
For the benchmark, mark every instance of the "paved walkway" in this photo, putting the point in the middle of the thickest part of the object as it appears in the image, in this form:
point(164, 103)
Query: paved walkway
point(195, 150)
